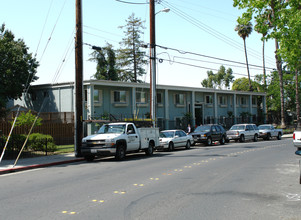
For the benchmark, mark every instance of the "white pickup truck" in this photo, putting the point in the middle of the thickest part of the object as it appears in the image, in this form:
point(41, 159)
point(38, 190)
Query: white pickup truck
point(118, 139)
point(267, 131)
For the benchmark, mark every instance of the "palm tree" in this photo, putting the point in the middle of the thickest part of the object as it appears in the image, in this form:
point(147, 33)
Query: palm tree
point(244, 29)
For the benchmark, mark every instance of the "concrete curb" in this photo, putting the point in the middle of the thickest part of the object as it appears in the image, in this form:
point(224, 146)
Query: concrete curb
point(16, 169)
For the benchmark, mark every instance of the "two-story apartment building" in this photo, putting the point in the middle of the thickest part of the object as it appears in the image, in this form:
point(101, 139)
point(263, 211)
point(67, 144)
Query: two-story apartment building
point(131, 100)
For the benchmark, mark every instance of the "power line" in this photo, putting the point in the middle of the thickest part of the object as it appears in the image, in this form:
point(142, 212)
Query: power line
point(216, 58)
point(133, 3)
point(210, 30)
point(193, 65)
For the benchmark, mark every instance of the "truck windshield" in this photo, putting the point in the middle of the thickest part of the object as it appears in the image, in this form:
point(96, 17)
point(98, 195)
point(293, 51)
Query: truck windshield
point(264, 127)
point(237, 127)
point(105, 129)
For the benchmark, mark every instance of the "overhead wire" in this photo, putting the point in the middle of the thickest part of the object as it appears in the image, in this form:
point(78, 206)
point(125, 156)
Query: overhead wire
point(211, 57)
point(210, 30)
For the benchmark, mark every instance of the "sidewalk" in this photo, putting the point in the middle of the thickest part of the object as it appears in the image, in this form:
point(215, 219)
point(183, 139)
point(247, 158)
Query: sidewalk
point(6, 166)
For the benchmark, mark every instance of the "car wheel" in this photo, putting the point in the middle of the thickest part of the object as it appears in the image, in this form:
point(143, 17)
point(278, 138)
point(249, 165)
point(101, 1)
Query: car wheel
point(89, 158)
point(279, 136)
point(268, 136)
point(170, 146)
point(242, 138)
point(209, 141)
point(188, 145)
point(150, 150)
point(255, 138)
point(223, 140)
point(120, 152)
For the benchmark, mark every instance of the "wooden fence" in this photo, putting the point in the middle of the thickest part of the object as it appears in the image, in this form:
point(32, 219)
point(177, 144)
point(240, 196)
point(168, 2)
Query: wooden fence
point(62, 133)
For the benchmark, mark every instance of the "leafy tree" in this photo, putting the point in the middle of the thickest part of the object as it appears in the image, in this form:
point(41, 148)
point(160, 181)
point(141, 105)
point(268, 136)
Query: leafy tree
point(268, 16)
point(106, 63)
point(290, 44)
point(27, 119)
point(244, 29)
point(242, 84)
point(131, 59)
point(221, 79)
point(17, 67)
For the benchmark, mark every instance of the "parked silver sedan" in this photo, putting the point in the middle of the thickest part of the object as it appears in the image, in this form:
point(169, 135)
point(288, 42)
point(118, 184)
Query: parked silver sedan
point(171, 139)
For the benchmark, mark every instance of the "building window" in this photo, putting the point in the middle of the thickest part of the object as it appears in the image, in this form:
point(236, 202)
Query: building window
point(254, 101)
point(119, 96)
point(208, 99)
point(141, 97)
point(159, 98)
point(179, 99)
point(237, 101)
point(97, 96)
point(222, 100)
point(243, 101)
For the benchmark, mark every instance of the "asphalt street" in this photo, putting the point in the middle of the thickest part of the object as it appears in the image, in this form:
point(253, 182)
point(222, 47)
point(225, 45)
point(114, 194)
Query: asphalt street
point(252, 180)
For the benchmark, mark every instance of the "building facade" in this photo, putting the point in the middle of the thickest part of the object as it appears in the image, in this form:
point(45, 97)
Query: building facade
point(124, 100)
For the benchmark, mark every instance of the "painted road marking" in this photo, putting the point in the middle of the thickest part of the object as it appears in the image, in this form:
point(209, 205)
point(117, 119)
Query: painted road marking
point(69, 213)
point(95, 200)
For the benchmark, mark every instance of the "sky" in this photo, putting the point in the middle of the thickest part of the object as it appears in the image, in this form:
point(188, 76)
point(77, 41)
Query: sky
point(193, 31)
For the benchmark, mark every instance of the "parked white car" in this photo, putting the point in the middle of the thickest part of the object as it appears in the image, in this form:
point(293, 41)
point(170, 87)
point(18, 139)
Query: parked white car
point(171, 139)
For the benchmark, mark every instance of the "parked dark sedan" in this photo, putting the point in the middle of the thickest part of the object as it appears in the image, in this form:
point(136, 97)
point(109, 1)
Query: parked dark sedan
point(208, 133)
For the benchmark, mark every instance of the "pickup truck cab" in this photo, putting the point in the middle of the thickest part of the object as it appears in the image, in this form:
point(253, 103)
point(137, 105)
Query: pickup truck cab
point(267, 131)
point(118, 139)
point(242, 132)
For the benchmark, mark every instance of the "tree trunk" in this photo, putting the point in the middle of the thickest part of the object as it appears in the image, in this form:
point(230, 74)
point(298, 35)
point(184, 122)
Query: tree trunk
point(249, 77)
point(264, 79)
point(279, 69)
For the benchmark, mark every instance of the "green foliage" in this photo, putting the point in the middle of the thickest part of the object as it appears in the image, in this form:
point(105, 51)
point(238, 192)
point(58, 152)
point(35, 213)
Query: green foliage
point(15, 143)
point(37, 142)
point(106, 68)
point(131, 60)
point(221, 79)
point(17, 67)
point(242, 84)
point(27, 119)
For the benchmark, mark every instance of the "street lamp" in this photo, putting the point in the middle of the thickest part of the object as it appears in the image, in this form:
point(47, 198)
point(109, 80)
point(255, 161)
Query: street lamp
point(153, 59)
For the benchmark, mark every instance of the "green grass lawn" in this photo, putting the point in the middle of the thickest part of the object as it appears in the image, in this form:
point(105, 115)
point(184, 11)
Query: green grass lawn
point(62, 149)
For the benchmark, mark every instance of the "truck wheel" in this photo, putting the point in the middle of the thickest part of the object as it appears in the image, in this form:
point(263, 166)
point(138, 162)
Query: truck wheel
point(89, 158)
point(279, 136)
point(209, 141)
point(242, 138)
point(223, 140)
point(255, 139)
point(171, 146)
point(188, 145)
point(268, 136)
point(150, 150)
point(120, 153)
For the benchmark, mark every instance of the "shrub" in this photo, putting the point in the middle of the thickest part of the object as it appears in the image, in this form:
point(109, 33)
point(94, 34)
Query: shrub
point(37, 142)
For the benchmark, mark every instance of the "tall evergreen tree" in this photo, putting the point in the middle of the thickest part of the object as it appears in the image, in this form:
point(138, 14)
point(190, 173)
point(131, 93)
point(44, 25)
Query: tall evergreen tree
point(131, 59)
point(106, 68)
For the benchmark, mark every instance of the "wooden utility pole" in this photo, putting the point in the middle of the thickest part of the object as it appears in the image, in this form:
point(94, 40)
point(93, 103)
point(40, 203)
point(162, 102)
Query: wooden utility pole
point(78, 80)
point(152, 61)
